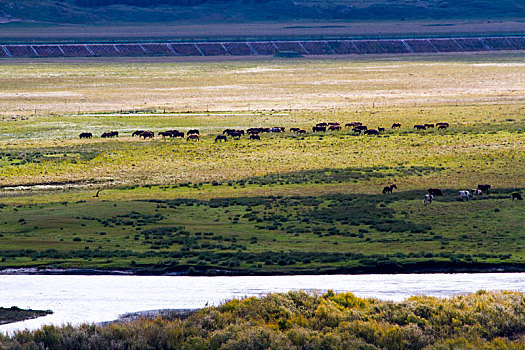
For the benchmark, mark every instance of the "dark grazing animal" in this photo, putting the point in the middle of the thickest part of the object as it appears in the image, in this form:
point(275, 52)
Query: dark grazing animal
point(321, 124)
point(334, 127)
point(484, 188)
point(236, 135)
point(396, 125)
point(294, 129)
point(227, 131)
point(193, 132)
point(353, 124)
point(429, 126)
point(110, 134)
point(85, 135)
point(165, 134)
point(446, 125)
point(381, 129)
point(389, 189)
point(193, 137)
point(176, 133)
point(319, 128)
point(221, 138)
point(137, 133)
point(419, 127)
point(255, 137)
point(301, 131)
point(435, 192)
point(147, 135)
point(371, 132)
point(442, 127)
point(517, 196)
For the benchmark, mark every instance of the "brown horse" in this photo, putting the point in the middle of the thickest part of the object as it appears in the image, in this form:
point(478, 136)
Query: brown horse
point(396, 125)
point(389, 189)
point(236, 135)
point(193, 137)
point(147, 135)
point(353, 124)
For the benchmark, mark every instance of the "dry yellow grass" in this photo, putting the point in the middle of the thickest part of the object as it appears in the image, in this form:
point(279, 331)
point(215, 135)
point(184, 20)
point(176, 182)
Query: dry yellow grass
point(482, 96)
point(102, 85)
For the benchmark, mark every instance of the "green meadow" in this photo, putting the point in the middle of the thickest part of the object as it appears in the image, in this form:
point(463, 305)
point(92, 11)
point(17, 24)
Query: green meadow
point(288, 203)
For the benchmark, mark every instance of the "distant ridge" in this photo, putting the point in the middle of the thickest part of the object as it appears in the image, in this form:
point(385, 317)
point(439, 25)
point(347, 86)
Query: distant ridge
point(268, 48)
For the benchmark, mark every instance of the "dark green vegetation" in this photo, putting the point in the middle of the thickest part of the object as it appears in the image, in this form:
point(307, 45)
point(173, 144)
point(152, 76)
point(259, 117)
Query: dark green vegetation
point(297, 320)
point(273, 234)
point(75, 11)
point(15, 314)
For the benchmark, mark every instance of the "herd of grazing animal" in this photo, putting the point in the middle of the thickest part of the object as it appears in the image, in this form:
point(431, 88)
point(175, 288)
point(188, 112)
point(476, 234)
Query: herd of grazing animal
point(463, 194)
point(254, 133)
point(357, 127)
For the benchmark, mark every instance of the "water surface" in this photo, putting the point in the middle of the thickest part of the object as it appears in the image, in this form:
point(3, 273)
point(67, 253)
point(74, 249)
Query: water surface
point(76, 299)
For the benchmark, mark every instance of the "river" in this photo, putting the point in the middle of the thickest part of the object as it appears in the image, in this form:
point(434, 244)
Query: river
point(75, 299)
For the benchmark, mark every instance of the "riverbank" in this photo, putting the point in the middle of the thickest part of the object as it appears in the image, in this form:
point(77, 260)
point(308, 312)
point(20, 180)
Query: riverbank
point(427, 267)
point(15, 314)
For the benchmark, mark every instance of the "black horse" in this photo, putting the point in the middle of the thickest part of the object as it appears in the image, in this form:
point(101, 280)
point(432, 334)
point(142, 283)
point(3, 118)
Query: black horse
point(484, 188)
point(517, 196)
point(221, 138)
point(435, 192)
point(389, 189)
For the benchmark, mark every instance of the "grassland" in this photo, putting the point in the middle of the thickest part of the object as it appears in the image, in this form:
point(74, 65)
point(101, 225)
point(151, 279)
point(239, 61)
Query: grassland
point(286, 204)
point(298, 320)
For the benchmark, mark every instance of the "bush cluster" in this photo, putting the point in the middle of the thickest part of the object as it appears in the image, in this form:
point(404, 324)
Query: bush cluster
point(299, 320)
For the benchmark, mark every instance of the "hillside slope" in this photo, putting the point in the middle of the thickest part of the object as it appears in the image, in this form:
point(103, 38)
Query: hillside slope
point(102, 11)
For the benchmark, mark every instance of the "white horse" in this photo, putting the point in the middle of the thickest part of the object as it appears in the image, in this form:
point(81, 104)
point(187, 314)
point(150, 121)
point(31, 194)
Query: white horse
point(428, 198)
point(464, 194)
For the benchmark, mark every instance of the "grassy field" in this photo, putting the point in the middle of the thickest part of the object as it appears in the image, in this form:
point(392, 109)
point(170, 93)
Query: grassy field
point(298, 320)
point(286, 204)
